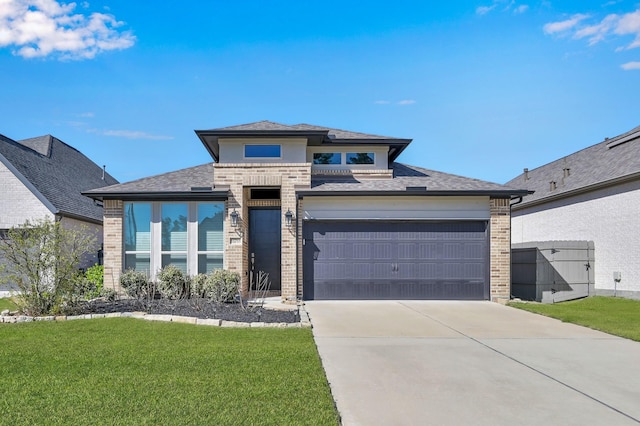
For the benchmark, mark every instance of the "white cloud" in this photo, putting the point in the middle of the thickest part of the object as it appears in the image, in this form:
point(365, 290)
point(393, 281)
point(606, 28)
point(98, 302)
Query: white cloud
point(597, 32)
point(87, 114)
point(630, 24)
point(132, 134)
point(566, 25)
point(611, 26)
point(381, 102)
point(630, 66)
point(406, 102)
point(483, 10)
point(41, 28)
point(521, 9)
point(504, 6)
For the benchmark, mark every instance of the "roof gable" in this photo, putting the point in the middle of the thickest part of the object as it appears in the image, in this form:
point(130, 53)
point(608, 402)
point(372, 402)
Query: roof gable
point(58, 172)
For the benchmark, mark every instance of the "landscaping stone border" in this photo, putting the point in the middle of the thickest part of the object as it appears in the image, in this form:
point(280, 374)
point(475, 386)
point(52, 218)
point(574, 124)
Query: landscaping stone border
point(304, 319)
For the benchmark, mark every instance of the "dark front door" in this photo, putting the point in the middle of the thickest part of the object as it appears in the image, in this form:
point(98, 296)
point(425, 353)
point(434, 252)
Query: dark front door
point(264, 244)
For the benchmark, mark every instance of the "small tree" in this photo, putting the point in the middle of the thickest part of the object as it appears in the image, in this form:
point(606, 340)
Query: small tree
point(42, 258)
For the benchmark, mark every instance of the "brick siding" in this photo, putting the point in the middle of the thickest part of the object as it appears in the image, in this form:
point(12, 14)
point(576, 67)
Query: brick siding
point(240, 177)
point(112, 240)
point(500, 246)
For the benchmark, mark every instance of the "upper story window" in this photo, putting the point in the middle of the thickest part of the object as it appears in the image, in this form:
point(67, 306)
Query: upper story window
point(327, 158)
point(262, 151)
point(360, 158)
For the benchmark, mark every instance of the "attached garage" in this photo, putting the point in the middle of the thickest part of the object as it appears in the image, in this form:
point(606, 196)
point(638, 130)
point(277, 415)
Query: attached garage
point(436, 260)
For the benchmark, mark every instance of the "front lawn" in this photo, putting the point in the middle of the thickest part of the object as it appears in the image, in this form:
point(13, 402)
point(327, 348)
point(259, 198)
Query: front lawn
point(123, 371)
point(609, 314)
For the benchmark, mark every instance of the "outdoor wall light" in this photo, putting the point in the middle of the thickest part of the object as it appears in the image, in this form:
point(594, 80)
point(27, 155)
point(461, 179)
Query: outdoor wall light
point(234, 218)
point(288, 216)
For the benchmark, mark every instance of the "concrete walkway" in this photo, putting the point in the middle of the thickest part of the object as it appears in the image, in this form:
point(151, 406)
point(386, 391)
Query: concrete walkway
point(472, 363)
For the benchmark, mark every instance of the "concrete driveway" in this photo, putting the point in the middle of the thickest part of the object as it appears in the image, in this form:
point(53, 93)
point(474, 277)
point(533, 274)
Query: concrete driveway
point(472, 363)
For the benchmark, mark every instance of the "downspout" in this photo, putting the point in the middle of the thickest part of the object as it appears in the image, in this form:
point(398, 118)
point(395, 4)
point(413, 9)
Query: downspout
point(298, 268)
point(519, 198)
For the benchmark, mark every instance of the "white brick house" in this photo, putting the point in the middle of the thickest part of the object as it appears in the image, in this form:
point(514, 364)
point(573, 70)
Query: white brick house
point(591, 195)
point(43, 178)
point(328, 213)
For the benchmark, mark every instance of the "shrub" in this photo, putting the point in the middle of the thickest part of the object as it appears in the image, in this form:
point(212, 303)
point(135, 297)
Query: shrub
point(198, 286)
point(42, 258)
point(222, 286)
point(95, 275)
point(172, 282)
point(90, 284)
point(136, 284)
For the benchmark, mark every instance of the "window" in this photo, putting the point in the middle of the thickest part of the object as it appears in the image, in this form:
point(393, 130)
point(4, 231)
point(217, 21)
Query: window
point(210, 237)
point(188, 235)
point(137, 236)
point(327, 158)
point(174, 235)
point(360, 158)
point(262, 151)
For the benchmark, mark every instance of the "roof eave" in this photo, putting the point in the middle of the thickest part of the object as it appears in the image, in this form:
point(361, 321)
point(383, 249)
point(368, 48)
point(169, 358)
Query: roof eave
point(210, 137)
point(611, 182)
point(79, 217)
point(159, 195)
point(489, 193)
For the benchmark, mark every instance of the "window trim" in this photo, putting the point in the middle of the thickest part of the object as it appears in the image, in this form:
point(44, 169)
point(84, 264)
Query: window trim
point(126, 252)
point(338, 153)
point(370, 153)
point(244, 151)
point(192, 253)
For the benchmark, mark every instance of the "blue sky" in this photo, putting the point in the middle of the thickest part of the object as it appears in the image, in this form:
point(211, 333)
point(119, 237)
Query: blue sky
point(484, 88)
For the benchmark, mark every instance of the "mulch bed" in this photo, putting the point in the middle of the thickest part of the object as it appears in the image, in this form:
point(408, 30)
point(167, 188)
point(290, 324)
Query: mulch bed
point(198, 308)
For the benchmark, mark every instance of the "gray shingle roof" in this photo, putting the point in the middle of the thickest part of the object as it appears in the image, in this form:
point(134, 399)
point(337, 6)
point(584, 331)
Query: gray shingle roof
point(181, 181)
point(59, 172)
point(408, 176)
point(266, 125)
point(178, 181)
point(607, 161)
point(316, 135)
point(257, 126)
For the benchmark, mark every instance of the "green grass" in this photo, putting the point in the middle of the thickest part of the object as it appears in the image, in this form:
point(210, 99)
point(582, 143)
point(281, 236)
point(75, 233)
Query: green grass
point(609, 314)
point(7, 303)
point(123, 371)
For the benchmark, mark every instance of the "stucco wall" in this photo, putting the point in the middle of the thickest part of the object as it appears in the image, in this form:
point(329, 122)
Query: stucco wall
point(396, 207)
point(232, 150)
point(17, 202)
point(608, 217)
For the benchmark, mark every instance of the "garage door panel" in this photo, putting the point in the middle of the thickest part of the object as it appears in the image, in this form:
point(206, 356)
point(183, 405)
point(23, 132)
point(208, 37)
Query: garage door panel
point(382, 251)
point(395, 260)
point(398, 290)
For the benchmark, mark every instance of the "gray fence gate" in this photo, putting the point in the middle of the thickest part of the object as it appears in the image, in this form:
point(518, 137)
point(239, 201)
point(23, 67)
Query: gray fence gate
point(552, 271)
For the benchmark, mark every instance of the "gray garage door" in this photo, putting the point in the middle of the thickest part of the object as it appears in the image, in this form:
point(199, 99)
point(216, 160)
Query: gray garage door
point(395, 260)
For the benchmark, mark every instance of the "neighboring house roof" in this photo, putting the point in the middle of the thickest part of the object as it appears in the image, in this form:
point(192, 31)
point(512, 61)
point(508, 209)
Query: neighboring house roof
point(316, 135)
point(197, 182)
point(606, 163)
point(408, 180)
point(56, 173)
point(185, 183)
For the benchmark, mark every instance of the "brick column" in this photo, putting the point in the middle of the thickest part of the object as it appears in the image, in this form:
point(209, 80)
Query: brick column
point(500, 246)
point(112, 229)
